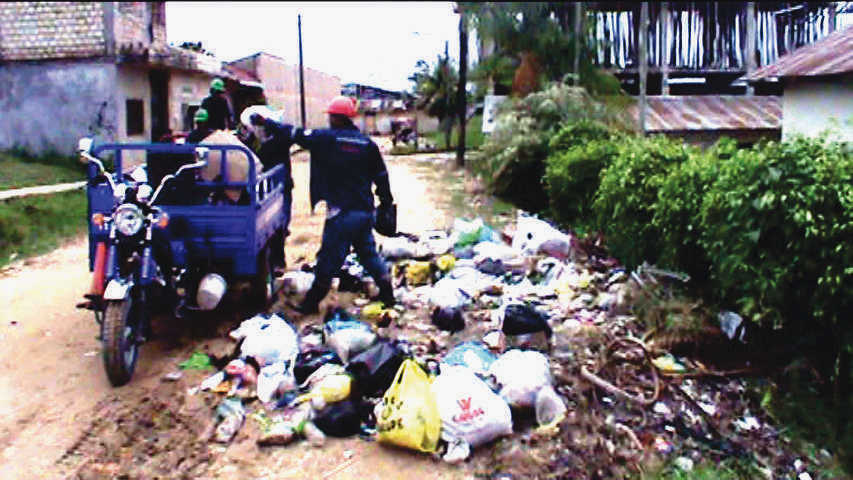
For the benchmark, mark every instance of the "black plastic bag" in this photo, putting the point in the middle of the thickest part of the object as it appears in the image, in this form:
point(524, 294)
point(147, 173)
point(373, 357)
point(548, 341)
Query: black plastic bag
point(339, 419)
point(448, 318)
point(521, 319)
point(386, 220)
point(308, 362)
point(374, 369)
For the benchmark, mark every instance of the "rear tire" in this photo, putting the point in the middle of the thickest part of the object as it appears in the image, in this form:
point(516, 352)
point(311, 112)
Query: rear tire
point(122, 318)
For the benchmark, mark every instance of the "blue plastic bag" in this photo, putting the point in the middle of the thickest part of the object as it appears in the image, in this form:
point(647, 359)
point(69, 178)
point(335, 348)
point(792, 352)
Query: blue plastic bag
point(474, 355)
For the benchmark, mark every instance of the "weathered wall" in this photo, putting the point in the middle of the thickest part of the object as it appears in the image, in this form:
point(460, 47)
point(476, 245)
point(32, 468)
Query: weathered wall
point(133, 83)
point(811, 106)
point(281, 87)
point(185, 89)
point(47, 30)
point(48, 106)
point(381, 122)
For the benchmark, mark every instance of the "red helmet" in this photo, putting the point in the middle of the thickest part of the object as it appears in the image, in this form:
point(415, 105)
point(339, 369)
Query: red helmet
point(342, 106)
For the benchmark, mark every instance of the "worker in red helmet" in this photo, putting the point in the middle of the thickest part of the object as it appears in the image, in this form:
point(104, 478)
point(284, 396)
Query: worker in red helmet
point(345, 164)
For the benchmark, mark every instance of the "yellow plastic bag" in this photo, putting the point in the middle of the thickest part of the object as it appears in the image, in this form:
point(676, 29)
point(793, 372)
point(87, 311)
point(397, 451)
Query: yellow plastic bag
point(409, 413)
point(418, 273)
point(373, 311)
point(445, 263)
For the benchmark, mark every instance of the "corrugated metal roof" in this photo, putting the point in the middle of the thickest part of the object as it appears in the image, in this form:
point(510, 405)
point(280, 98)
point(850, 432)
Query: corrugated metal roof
point(712, 112)
point(831, 55)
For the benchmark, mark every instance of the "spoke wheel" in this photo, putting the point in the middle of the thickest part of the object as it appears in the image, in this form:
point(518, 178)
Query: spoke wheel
point(120, 348)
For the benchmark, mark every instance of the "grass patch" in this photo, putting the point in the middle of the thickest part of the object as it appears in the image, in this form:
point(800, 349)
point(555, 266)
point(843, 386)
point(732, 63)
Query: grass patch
point(18, 170)
point(474, 136)
point(39, 223)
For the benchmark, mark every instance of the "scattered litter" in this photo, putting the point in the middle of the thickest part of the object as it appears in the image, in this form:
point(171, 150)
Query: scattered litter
point(684, 463)
point(668, 363)
point(197, 361)
point(91, 353)
point(347, 336)
point(173, 376)
point(231, 416)
point(541, 329)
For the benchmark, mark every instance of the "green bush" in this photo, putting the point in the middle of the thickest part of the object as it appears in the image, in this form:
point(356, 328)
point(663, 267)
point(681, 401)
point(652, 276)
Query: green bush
point(624, 205)
point(513, 163)
point(778, 224)
point(579, 152)
point(676, 215)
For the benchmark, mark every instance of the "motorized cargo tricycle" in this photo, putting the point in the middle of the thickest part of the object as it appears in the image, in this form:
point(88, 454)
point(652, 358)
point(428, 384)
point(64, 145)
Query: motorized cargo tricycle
point(162, 238)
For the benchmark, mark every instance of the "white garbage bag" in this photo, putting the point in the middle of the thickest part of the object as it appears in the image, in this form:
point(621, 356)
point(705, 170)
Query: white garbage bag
point(297, 282)
point(277, 377)
point(449, 293)
point(238, 163)
point(470, 411)
point(533, 236)
point(397, 248)
point(268, 339)
point(520, 374)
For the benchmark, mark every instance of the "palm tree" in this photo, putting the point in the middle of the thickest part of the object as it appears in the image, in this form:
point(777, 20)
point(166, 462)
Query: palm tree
point(435, 91)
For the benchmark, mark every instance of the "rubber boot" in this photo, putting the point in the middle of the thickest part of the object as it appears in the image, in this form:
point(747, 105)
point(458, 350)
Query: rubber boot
point(311, 303)
point(386, 292)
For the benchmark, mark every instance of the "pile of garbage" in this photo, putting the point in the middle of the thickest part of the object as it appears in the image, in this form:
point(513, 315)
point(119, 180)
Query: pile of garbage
point(518, 334)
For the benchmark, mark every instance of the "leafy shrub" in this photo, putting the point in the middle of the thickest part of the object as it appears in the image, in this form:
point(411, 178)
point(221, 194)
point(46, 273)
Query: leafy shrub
point(624, 205)
point(579, 152)
point(677, 211)
point(514, 160)
point(778, 223)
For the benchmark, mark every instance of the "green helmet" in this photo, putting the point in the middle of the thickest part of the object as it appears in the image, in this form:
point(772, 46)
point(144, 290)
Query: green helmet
point(218, 85)
point(201, 115)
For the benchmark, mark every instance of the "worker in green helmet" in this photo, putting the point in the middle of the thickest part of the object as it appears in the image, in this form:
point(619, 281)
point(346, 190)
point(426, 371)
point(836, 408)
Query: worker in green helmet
point(220, 115)
point(202, 126)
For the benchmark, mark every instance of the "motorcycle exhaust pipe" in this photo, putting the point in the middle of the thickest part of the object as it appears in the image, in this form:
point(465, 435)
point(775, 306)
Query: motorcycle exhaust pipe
point(99, 272)
point(211, 289)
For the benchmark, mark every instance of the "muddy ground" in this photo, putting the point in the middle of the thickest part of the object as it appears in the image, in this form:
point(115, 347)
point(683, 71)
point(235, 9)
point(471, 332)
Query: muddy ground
point(60, 417)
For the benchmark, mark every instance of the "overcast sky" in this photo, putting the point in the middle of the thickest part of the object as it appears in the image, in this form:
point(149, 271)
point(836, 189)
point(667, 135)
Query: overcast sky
point(372, 43)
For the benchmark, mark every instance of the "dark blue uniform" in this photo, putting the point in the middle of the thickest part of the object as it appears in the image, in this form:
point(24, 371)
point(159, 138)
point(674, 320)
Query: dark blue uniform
point(345, 164)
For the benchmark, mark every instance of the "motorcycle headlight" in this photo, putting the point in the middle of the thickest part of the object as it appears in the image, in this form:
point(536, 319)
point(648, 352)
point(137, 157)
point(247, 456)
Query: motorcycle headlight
point(128, 219)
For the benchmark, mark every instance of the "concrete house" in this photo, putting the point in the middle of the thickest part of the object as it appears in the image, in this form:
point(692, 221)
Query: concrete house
point(70, 69)
point(280, 80)
point(817, 86)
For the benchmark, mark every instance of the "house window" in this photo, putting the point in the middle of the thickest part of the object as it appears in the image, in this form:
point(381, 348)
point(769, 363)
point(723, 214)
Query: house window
point(135, 117)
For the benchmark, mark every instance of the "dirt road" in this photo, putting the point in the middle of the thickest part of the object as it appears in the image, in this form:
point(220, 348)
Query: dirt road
point(57, 410)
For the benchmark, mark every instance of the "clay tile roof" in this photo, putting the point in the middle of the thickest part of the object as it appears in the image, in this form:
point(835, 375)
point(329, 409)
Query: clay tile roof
point(712, 112)
point(831, 55)
point(46, 30)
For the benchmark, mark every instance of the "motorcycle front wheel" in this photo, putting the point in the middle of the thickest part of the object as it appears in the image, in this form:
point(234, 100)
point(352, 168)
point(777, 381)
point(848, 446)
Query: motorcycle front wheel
point(122, 318)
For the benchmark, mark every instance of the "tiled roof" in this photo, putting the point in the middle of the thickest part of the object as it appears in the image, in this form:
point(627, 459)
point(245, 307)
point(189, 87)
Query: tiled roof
point(712, 112)
point(47, 30)
point(831, 55)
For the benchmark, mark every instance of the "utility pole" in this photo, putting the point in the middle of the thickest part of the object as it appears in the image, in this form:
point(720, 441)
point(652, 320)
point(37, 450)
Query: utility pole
point(749, 48)
point(664, 62)
point(460, 89)
point(579, 12)
point(301, 72)
point(643, 34)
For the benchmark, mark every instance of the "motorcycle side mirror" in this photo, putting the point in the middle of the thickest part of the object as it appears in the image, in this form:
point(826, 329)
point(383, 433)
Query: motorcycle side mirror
point(85, 144)
point(84, 147)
